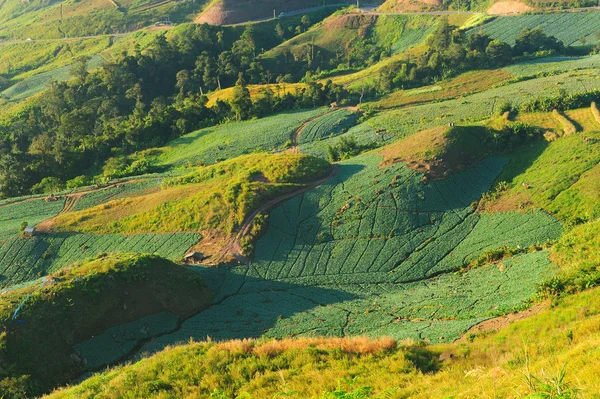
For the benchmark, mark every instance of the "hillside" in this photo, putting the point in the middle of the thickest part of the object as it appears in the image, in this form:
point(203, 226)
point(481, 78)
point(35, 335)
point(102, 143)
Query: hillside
point(332, 203)
point(118, 301)
point(224, 12)
point(553, 350)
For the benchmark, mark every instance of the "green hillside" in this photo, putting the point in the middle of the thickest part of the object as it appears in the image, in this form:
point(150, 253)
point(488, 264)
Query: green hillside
point(128, 296)
point(331, 202)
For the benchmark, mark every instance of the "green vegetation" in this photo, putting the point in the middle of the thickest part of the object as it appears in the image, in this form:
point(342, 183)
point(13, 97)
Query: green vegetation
point(359, 255)
point(329, 125)
point(32, 211)
point(548, 176)
point(26, 259)
point(535, 350)
point(40, 324)
point(482, 105)
point(573, 29)
point(215, 198)
point(230, 140)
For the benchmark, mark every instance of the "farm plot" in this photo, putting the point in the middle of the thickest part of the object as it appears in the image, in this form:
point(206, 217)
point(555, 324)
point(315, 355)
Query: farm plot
point(329, 125)
point(567, 27)
point(26, 259)
point(403, 122)
point(553, 65)
point(363, 134)
point(40, 82)
point(230, 140)
point(361, 254)
point(30, 211)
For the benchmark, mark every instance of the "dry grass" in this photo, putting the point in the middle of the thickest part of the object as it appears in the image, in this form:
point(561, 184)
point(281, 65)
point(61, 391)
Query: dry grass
point(595, 111)
point(567, 126)
point(355, 345)
point(544, 120)
point(464, 84)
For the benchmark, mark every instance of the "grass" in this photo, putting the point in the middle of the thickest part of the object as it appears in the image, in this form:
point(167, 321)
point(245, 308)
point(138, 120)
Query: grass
point(547, 175)
point(440, 151)
point(462, 85)
point(82, 301)
point(214, 198)
point(230, 140)
point(489, 364)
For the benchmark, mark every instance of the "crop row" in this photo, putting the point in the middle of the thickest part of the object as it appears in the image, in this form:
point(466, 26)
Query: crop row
point(30, 211)
point(328, 125)
point(553, 65)
point(570, 28)
point(403, 122)
point(26, 259)
point(231, 140)
point(357, 256)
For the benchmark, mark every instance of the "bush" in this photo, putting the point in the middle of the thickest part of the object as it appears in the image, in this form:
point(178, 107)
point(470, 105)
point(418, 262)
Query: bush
point(48, 185)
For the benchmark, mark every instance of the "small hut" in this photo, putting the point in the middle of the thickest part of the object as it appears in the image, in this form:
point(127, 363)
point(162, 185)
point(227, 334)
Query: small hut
point(29, 231)
point(194, 257)
point(51, 198)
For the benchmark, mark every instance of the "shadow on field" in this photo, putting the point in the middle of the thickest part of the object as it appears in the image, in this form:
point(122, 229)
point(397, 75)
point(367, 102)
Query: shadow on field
point(248, 307)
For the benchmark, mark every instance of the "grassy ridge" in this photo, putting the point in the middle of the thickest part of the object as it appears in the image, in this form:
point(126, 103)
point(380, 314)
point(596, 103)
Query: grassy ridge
point(497, 362)
point(83, 301)
point(218, 197)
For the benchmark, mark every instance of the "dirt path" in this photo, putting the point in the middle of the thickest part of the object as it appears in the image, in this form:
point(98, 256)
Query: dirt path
point(503, 321)
point(233, 245)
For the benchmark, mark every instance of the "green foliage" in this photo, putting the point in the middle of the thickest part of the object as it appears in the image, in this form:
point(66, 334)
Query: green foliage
point(327, 126)
point(31, 211)
point(27, 259)
point(478, 106)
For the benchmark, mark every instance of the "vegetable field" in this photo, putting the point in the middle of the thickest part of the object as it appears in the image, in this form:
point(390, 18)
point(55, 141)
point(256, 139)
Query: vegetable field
point(368, 253)
point(567, 27)
point(403, 122)
point(30, 211)
point(329, 125)
point(230, 140)
point(363, 134)
point(26, 259)
point(553, 65)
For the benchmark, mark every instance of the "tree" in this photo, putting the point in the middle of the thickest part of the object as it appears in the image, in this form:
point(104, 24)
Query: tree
point(533, 40)
point(79, 70)
point(499, 53)
point(241, 102)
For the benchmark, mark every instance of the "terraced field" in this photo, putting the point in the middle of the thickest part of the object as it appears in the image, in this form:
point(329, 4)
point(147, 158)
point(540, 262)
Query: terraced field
point(568, 27)
point(32, 212)
point(361, 255)
point(26, 259)
point(329, 125)
point(234, 139)
point(478, 106)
